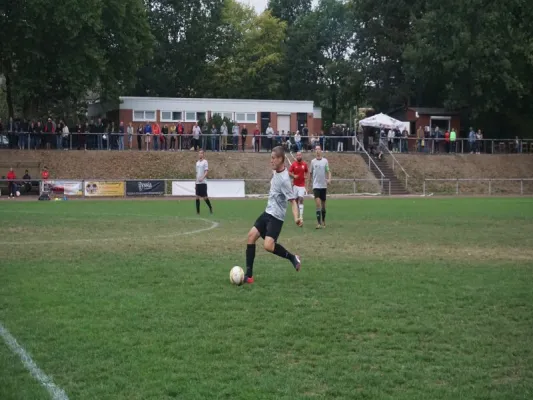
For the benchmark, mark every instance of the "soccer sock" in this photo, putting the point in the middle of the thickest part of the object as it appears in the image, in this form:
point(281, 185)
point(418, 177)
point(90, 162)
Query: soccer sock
point(250, 256)
point(280, 251)
point(323, 215)
point(208, 203)
point(301, 207)
point(318, 216)
point(198, 206)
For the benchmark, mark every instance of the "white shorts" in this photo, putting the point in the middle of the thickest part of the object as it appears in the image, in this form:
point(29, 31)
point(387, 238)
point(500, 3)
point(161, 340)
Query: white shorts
point(299, 191)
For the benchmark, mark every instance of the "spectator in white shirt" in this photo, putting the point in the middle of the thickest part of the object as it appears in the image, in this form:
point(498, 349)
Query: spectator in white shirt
point(196, 132)
point(235, 133)
point(224, 136)
point(269, 137)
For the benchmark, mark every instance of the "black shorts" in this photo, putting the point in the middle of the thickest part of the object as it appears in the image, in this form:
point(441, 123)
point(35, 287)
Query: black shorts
point(269, 226)
point(320, 194)
point(201, 189)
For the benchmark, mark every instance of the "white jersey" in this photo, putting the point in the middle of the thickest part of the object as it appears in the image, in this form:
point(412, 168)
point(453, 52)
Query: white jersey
point(319, 169)
point(201, 168)
point(280, 193)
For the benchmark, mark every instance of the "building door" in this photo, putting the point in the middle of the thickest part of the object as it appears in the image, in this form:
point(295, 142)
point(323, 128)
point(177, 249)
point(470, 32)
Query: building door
point(284, 123)
point(265, 120)
point(302, 120)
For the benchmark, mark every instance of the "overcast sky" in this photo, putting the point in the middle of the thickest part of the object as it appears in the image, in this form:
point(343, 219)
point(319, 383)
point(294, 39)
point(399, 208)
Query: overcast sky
point(259, 5)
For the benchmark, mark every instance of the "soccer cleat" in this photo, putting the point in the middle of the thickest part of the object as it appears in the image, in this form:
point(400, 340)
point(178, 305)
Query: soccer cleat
point(297, 263)
point(323, 224)
point(318, 226)
point(248, 279)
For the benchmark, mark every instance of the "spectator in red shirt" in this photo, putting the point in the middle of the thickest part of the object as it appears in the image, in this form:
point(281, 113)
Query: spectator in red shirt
point(11, 185)
point(447, 140)
point(156, 131)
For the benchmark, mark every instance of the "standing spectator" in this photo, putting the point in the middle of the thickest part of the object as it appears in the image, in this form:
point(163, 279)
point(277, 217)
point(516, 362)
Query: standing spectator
point(298, 141)
point(76, 138)
point(65, 137)
point(390, 139)
point(257, 139)
point(129, 131)
point(244, 135)
point(453, 140)
point(11, 185)
point(340, 139)
point(419, 138)
point(235, 138)
point(472, 140)
point(173, 138)
point(518, 145)
point(224, 136)
point(479, 140)
point(405, 141)
point(205, 134)
point(83, 137)
point(305, 137)
point(99, 130)
point(148, 135)
point(269, 135)
point(38, 133)
point(279, 138)
point(156, 131)
point(447, 141)
point(163, 138)
point(196, 132)
point(181, 130)
point(121, 135)
point(214, 137)
point(59, 134)
point(140, 132)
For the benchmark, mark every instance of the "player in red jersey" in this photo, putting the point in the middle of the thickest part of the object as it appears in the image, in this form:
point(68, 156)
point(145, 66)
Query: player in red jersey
point(299, 172)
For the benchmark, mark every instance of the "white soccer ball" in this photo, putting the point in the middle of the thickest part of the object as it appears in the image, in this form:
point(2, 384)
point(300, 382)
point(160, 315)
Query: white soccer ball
point(18, 193)
point(236, 276)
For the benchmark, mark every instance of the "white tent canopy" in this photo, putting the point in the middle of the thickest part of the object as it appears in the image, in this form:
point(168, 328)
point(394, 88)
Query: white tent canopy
point(381, 121)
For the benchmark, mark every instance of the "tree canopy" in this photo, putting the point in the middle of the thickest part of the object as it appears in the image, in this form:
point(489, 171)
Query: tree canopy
point(467, 55)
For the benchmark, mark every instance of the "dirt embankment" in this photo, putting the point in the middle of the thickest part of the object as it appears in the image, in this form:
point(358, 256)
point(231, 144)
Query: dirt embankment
point(176, 165)
point(470, 166)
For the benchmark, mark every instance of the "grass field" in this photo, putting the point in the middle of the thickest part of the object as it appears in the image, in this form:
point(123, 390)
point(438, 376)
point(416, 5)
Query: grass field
point(397, 299)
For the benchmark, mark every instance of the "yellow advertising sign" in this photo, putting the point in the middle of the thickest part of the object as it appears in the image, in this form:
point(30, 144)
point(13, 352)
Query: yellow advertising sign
point(104, 189)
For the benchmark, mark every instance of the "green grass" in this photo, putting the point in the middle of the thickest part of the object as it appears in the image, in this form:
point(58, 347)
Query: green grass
point(397, 299)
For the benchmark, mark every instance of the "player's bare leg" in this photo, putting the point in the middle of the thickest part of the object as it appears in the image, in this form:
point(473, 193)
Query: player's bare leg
point(318, 204)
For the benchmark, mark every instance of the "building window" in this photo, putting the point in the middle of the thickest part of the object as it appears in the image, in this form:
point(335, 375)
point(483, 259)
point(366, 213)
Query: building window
point(246, 117)
point(190, 116)
point(171, 116)
point(143, 115)
point(224, 114)
point(201, 116)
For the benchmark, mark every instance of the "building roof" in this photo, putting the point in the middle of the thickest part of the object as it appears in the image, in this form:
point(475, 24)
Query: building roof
point(222, 105)
point(432, 111)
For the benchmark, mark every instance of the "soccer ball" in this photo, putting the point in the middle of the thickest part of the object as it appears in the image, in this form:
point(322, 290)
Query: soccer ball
point(236, 276)
point(18, 193)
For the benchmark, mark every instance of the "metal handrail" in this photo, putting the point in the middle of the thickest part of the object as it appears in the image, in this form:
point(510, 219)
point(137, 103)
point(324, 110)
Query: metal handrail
point(395, 161)
point(489, 180)
point(370, 160)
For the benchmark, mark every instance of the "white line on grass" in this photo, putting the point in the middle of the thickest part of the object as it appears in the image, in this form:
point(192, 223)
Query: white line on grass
point(213, 225)
point(56, 392)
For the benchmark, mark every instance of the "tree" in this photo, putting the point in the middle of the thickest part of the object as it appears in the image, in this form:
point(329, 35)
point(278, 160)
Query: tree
point(187, 34)
point(54, 52)
point(483, 65)
point(289, 10)
point(251, 68)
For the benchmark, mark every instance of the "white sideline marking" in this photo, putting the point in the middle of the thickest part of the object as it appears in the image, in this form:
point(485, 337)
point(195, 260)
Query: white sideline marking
point(213, 225)
point(56, 392)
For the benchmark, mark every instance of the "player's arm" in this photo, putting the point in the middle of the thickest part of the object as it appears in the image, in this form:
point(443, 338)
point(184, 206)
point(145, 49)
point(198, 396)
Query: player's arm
point(205, 173)
point(329, 173)
point(289, 195)
point(291, 171)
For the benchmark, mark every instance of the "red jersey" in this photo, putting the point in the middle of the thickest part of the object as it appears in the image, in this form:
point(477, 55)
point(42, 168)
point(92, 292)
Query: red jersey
point(11, 175)
point(299, 169)
point(45, 175)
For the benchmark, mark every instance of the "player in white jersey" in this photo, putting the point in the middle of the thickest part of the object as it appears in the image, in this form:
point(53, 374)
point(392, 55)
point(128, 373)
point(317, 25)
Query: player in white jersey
point(321, 178)
point(202, 168)
point(269, 224)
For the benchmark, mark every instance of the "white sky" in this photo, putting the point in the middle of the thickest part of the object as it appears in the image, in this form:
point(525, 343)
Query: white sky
point(259, 5)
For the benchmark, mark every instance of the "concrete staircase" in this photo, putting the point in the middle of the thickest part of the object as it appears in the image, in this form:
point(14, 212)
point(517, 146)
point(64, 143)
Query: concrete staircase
point(397, 187)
